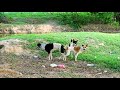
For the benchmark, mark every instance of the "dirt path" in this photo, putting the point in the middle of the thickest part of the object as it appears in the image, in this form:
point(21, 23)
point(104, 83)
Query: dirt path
point(29, 67)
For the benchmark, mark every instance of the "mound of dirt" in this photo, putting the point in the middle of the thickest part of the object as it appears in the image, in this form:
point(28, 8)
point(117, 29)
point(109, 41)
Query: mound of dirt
point(99, 28)
point(33, 28)
point(52, 26)
point(5, 71)
point(13, 46)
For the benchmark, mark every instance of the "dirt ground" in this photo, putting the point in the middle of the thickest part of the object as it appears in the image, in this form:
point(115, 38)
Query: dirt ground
point(12, 66)
point(54, 27)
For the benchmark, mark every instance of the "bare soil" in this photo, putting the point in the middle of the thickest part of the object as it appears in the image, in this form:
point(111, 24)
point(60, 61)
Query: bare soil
point(54, 27)
point(13, 66)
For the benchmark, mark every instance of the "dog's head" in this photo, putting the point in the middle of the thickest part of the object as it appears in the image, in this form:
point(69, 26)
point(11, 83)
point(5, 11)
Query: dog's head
point(39, 45)
point(74, 42)
point(84, 47)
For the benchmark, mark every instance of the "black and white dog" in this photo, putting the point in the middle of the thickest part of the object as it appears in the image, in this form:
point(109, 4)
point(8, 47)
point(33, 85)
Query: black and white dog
point(50, 47)
point(68, 49)
point(73, 42)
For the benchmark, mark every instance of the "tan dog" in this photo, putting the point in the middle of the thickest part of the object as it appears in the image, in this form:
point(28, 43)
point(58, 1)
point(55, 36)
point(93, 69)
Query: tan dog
point(76, 49)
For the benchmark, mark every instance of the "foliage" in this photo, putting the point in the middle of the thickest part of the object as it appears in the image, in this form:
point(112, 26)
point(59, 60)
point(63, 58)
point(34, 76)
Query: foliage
point(4, 18)
point(103, 17)
point(73, 19)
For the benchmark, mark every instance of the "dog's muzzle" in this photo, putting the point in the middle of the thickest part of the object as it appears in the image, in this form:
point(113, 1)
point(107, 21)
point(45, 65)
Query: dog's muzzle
point(83, 49)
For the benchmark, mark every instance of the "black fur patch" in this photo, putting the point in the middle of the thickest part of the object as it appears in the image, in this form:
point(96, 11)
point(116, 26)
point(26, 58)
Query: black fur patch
point(38, 44)
point(1, 46)
point(69, 45)
point(49, 47)
point(62, 49)
point(75, 42)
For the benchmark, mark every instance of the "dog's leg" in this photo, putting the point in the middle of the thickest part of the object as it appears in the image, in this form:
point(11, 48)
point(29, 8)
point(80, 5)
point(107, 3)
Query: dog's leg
point(68, 53)
point(76, 56)
point(63, 56)
point(60, 56)
point(72, 54)
point(49, 56)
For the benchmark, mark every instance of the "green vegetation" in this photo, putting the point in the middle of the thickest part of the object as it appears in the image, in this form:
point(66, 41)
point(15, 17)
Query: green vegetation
point(104, 49)
point(73, 19)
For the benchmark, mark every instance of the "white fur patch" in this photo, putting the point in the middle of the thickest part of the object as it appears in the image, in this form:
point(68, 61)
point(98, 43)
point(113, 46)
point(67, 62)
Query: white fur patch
point(56, 46)
point(43, 46)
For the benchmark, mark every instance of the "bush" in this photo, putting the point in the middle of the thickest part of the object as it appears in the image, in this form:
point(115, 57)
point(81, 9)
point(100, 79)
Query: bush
point(3, 18)
point(103, 17)
point(75, 19)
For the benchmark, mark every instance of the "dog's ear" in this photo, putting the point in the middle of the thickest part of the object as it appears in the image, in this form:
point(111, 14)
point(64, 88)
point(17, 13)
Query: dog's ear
point(76, 39)
point(86, 45)
point(82, 45)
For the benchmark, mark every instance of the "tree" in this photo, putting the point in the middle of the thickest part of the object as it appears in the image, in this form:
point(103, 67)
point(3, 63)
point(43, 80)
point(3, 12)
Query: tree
point(117, 16)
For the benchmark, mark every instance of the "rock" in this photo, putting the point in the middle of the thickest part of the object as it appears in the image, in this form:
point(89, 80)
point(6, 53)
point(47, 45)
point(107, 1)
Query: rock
point(53, 65)
point(101, 44)
point(91, 65)
point(105, 71)
point(99, 73)
point(35, 57)
point(43, 66)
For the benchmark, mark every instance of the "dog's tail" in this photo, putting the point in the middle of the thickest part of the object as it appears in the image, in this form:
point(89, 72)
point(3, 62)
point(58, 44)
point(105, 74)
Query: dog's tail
point(63, 49)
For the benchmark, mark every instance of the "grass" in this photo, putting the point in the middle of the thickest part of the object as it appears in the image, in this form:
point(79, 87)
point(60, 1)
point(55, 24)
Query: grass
point(20, 18)
point(103, 50)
